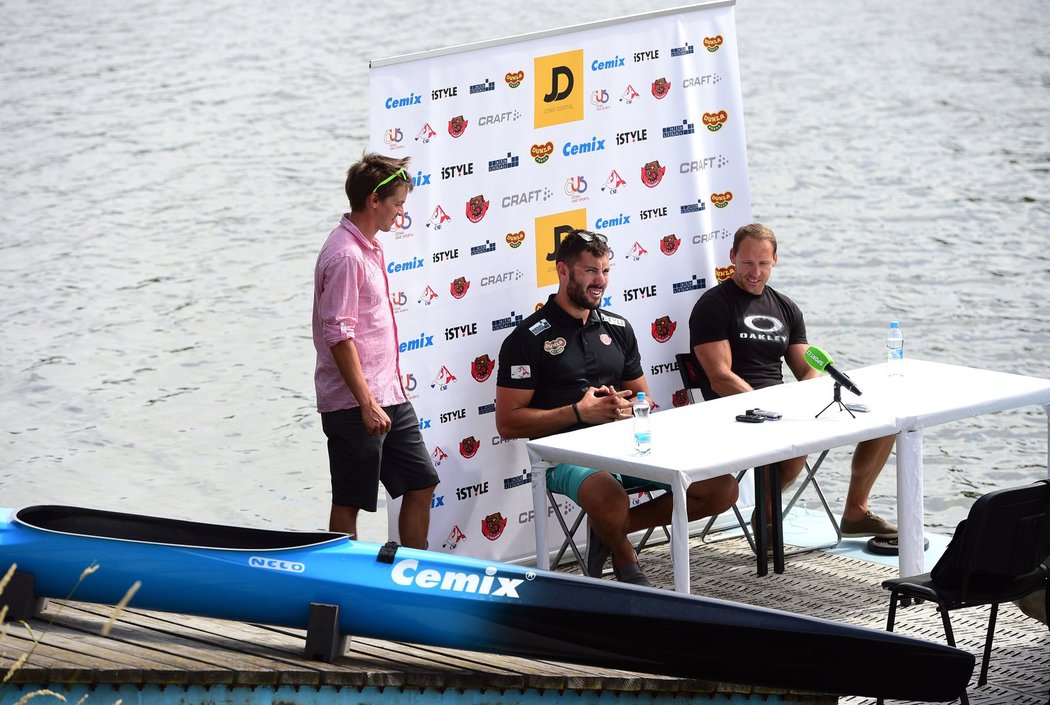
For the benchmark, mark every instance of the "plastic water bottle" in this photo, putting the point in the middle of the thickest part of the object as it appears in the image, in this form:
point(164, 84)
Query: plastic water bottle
point(895, 344)
point(643, 430)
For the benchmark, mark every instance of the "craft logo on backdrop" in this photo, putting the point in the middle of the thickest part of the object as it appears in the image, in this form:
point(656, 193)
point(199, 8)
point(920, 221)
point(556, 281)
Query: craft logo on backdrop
point(550, 229)
point(559, 95)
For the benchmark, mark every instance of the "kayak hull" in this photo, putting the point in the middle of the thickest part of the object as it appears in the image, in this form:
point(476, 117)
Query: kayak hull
point(401, 594)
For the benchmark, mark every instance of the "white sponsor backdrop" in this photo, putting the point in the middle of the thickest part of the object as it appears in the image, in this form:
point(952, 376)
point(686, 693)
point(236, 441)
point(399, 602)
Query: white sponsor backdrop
point(631, 127)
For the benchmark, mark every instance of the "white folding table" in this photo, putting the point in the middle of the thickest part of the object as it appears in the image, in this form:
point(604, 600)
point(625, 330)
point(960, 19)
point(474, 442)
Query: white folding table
point(702, 441)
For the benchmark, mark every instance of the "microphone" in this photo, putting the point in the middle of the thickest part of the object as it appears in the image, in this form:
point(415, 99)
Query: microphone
point(822, 362)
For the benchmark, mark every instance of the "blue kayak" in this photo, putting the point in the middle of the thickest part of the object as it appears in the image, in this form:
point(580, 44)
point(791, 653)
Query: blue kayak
point(400, 594)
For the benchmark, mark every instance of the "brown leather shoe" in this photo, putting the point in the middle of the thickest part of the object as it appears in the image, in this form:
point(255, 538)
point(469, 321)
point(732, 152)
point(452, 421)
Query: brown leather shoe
point(870, 525)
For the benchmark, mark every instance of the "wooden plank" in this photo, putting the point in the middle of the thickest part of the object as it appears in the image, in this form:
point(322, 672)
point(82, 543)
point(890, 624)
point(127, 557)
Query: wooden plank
point(50, 664)
point(217, 658)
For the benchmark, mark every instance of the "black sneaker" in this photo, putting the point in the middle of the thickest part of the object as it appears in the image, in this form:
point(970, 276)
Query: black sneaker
point(597, 554)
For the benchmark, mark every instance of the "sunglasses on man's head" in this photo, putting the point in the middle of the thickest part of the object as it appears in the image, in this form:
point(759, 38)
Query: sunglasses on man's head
point(588, 236)
point(400, 172)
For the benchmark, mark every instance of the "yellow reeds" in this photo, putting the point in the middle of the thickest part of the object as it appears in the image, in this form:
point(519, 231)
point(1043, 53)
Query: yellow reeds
point(25, 698)
point(120, 607)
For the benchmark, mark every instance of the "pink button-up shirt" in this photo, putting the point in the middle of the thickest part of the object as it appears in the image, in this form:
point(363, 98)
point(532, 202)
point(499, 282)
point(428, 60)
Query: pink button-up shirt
point(352, 301)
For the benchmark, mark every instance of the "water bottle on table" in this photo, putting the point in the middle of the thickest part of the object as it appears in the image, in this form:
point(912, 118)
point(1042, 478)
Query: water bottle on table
point(643, 434)
point(895, 347)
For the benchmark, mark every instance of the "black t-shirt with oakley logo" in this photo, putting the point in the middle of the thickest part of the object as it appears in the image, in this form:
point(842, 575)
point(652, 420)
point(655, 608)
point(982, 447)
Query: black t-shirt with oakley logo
point(759, 330)
point(551, 353)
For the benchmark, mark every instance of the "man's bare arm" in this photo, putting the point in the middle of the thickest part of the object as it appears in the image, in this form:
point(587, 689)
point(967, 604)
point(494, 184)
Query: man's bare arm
point(717, 360)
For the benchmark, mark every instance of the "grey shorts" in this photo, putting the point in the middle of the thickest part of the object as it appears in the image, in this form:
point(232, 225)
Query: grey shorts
point(359, 462)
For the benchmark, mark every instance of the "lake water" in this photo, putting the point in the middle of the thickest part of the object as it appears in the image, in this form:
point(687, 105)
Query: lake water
point(170, 170)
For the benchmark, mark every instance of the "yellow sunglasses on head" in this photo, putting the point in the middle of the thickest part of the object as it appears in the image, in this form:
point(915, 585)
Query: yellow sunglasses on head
point(400, 172)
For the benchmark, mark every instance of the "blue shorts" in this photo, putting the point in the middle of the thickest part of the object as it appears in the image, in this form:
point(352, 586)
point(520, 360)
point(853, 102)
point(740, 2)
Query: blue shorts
point(566, 479)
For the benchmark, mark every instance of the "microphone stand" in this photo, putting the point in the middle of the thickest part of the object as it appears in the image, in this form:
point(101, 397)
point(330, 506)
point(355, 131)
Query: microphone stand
point(836, 399)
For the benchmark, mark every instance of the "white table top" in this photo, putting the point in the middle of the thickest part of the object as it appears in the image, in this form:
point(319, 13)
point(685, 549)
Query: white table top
point(704, 440)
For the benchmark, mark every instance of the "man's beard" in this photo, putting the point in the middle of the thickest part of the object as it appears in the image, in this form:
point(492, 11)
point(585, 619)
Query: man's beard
point(577, 294)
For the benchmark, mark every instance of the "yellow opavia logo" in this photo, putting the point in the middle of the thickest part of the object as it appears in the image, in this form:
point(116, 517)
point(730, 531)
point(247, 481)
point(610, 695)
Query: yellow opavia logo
point(714, 121)
point(558, 95)
point(721, 200)
point(712, 43)
point(550, 230)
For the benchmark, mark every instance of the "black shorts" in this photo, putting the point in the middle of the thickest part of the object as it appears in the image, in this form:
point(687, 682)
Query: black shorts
point(359, 462)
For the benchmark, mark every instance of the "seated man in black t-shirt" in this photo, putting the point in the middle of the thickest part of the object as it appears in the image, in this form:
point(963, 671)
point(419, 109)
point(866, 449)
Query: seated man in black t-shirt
point(742, 330)
point(571, 365)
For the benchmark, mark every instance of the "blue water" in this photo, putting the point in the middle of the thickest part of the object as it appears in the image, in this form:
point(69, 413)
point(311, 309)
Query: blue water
point(169, 171)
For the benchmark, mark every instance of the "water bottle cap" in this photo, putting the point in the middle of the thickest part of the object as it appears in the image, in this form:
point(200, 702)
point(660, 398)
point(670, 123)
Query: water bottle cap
point(641, 396)
point(894, 324)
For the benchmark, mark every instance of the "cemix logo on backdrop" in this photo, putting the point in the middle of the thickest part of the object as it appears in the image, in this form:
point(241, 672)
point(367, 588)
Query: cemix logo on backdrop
point(558, 96)
point(550, 231)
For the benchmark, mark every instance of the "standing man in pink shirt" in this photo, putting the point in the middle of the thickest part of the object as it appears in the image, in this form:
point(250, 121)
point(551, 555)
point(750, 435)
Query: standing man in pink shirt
point(372, 429)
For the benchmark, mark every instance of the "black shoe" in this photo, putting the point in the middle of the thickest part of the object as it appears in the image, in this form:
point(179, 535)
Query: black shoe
point(597, 554)
point(632, 574)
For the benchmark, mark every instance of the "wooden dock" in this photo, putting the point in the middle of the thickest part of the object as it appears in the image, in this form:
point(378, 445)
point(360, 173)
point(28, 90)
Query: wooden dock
point(151, 657)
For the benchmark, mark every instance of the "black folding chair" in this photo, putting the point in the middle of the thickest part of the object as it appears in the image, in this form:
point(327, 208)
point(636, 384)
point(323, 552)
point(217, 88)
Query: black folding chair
point(998, 554)
point(689, 369)
point(569, 543)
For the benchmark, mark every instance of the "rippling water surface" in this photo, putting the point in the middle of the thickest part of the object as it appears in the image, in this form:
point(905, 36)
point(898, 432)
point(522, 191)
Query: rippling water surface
point(169, 172)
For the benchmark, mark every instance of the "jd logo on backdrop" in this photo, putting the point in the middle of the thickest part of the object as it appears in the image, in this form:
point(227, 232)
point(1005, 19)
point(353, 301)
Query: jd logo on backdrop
point(559, 91)
point(550, 231)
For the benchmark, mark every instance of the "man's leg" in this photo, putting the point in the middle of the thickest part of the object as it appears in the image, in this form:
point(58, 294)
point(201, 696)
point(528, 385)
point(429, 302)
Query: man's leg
point(703, 499)
point(413, 523)
point(353, 460)
point(604, 500)
point(857, 518)
point(343, 519)
point(408, 472)
point(868, 460)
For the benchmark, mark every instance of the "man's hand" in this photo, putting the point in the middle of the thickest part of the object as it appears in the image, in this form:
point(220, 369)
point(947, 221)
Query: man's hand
point(375, 419)
point(603, 404)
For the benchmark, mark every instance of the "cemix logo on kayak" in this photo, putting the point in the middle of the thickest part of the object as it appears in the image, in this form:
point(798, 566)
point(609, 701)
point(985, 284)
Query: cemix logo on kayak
point(406, 573)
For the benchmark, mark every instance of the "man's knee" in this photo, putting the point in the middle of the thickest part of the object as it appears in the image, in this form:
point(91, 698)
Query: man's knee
point(722, 492)
point(730, 489)
point(601, 494)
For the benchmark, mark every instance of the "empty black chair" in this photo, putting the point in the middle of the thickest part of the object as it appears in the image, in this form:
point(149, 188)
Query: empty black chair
point(997, 554)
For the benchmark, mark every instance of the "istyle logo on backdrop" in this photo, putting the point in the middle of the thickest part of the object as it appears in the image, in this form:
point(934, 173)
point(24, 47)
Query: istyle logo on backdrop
point(558, 96)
